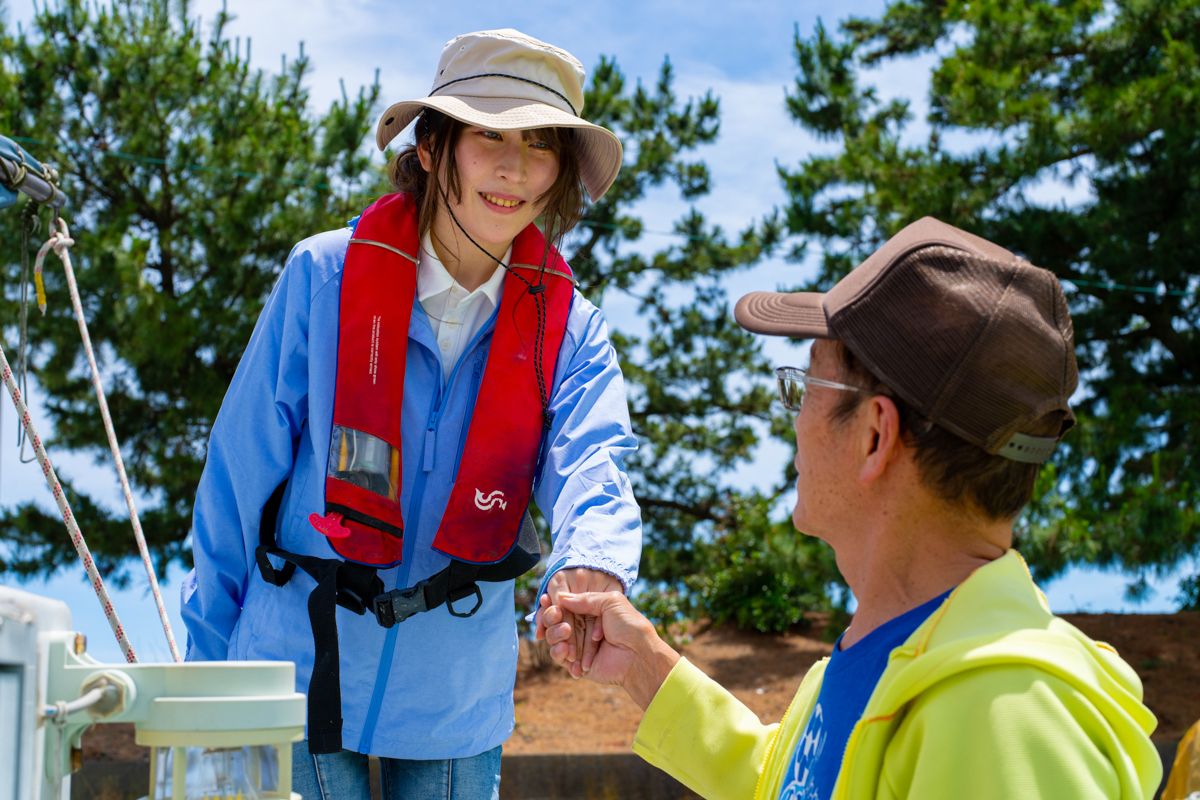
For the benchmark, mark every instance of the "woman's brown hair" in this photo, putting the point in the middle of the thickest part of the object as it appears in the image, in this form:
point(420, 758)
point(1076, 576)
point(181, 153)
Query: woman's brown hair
point(563, 200)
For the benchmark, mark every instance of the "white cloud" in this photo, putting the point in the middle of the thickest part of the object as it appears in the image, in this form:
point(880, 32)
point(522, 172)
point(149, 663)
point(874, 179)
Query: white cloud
point(344, 42)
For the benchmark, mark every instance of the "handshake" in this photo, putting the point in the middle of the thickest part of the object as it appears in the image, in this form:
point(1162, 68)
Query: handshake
point(594, 631)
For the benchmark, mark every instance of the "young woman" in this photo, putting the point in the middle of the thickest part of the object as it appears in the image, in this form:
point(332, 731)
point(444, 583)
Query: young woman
point(415, 381)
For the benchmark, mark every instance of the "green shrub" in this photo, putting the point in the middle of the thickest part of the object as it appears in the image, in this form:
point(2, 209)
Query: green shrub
point(764, 576)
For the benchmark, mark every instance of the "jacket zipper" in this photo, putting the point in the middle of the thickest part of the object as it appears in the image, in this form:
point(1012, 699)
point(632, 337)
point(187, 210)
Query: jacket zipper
point(841, 787)
point(386, 654)
point(473, 393)
point(760, 786)
point(410, 538)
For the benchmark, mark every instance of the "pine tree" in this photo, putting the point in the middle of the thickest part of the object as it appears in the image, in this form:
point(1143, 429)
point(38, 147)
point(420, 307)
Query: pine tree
point(188, 193)
point(190, 176)
point(1022, 94)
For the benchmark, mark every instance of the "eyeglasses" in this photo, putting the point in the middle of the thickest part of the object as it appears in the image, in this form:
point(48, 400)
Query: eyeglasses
point(794, 380)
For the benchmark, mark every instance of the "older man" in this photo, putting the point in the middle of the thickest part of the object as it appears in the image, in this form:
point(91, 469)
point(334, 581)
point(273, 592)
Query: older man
point(939, 382)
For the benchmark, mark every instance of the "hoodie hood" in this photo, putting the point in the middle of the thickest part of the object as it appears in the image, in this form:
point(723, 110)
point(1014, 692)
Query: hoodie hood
point(998, 617)
point(984, 622)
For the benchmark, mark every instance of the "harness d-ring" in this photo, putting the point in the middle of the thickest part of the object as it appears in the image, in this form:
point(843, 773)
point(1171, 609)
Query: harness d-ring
point(474, 590)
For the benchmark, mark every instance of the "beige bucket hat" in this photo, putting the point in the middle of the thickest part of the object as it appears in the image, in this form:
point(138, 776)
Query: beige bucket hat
point(506, 81)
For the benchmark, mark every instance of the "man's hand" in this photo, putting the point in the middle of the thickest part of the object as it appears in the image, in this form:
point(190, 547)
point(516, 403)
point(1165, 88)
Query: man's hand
point(582, 646)
point(630, 653)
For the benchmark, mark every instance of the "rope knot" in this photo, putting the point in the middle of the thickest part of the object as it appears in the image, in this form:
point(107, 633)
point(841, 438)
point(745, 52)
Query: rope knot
point(60, 243)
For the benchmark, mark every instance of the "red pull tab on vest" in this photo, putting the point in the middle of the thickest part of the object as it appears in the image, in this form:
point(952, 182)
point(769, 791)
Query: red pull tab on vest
point(329, 525)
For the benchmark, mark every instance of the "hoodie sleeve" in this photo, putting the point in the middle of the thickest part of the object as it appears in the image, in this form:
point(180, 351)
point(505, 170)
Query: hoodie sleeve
point(703, 736)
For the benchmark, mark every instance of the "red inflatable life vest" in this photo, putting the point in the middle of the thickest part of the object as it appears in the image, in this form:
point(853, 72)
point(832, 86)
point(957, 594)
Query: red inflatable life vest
point(363, 521)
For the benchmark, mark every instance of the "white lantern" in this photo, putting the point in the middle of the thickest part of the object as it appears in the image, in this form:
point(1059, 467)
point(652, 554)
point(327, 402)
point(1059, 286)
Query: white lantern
point(217, 730)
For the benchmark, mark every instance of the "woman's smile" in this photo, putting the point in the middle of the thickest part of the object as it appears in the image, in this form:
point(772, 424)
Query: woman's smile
point(503, 202)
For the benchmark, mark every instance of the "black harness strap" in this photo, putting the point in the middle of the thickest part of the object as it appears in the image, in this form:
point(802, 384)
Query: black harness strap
point(325, 686)
point(456, 582)
point(339, 583)
point(357, 588)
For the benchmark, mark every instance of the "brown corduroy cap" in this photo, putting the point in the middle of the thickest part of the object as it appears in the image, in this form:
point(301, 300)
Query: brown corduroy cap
point(974, 338)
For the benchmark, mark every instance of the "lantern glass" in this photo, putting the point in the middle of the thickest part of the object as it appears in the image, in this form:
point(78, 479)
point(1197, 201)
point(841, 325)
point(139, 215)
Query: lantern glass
point(219, 773)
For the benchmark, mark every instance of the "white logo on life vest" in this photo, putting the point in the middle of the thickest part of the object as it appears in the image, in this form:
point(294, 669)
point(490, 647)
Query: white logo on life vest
point(494, 499)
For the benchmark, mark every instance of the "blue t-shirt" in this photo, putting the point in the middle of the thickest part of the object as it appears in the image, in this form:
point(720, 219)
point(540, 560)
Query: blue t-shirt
point(850, 678)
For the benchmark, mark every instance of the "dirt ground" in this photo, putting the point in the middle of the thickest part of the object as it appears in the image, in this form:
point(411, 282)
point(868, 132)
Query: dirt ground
point(556, 714)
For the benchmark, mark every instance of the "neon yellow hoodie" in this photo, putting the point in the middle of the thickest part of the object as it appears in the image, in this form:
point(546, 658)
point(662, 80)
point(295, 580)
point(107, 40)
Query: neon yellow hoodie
point(991, 697)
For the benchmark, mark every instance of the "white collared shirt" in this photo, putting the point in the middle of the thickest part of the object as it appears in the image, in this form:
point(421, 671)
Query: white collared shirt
point(455, 314)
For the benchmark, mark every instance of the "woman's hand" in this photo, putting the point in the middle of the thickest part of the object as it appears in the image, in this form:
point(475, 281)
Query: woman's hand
point(580, 648)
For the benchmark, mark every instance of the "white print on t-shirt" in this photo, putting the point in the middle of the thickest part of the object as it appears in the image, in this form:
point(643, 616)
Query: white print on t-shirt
point(800, 784)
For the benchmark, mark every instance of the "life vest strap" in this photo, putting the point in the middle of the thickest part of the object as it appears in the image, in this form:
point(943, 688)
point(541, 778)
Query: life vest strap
point(451, 585)
point(354, 587)
point(325, 684)
point(398, 605)
point(357, 588)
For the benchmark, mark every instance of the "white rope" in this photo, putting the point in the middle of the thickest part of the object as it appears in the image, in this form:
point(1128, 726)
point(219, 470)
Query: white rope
point(63, 709)
point(61, 241)
point(68, 518)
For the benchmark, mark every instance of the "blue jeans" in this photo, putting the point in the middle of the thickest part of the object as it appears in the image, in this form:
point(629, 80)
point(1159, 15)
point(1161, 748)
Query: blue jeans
point(346, 776)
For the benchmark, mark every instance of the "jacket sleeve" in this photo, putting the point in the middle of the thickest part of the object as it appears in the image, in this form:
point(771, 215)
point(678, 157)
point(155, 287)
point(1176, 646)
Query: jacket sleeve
point(1014, 731)
point(703, 736)
point(250, 452)
point(583, 489)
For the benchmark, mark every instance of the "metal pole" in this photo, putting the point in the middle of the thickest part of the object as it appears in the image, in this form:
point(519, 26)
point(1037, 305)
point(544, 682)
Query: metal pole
point(31, 183)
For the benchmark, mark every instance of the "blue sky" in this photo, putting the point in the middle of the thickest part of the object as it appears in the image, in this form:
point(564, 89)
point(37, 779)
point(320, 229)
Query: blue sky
point(742, 51)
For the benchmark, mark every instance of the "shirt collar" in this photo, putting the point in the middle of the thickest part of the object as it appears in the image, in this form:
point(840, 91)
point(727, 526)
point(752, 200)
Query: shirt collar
point(434, 279)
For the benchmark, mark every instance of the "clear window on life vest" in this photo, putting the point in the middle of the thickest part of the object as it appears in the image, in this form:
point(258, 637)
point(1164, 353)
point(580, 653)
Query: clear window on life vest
point(365, 461)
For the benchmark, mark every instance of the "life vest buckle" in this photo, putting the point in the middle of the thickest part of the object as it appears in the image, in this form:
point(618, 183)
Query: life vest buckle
point(399, 604)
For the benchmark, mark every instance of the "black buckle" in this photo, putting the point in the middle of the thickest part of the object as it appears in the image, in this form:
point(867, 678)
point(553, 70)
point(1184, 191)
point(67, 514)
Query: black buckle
point(351, 600)
point(399, 604)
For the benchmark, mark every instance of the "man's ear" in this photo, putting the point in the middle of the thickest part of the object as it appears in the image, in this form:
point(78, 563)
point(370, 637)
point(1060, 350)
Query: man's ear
point(882, 441)
point(425, 154)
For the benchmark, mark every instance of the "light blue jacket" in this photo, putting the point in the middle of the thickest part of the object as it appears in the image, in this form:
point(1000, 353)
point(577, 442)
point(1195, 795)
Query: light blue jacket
point(433, 686)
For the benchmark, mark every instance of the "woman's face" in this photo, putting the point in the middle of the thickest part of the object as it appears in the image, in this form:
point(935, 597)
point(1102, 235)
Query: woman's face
point(501, 176)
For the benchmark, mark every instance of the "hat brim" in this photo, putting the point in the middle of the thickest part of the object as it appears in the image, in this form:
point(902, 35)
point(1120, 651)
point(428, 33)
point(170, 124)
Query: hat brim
point(599, 149)
point(800, 315)
point(803, 315)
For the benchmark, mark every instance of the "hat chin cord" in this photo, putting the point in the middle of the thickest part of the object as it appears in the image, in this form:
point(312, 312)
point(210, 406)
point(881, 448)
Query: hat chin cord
point(539, 302)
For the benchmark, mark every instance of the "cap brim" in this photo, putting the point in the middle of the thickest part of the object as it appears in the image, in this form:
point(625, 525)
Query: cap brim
point(803, 315)
point(796, 314)
point(599, 148)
